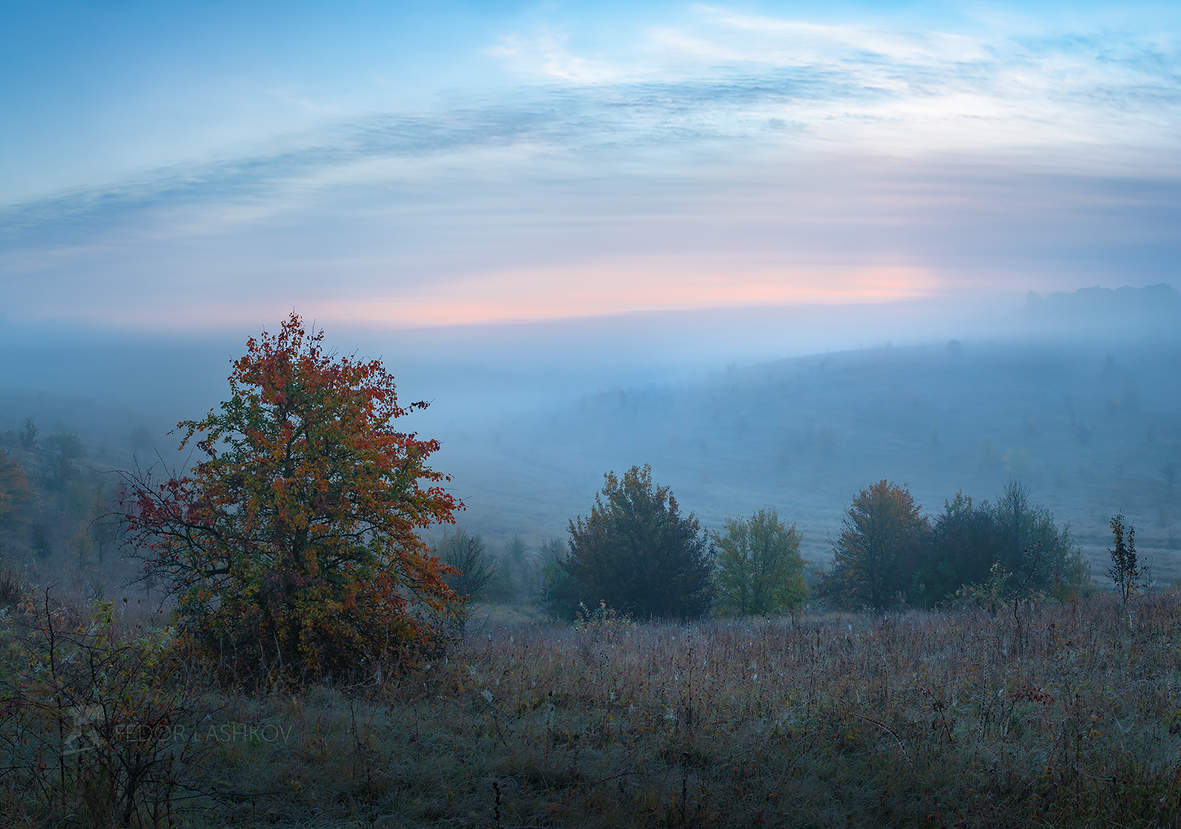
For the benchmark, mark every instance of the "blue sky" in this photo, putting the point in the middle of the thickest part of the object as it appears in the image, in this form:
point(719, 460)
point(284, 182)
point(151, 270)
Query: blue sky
point(168, 165)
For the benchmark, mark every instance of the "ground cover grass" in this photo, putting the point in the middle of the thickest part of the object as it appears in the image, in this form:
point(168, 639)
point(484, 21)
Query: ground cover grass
point(958, 718)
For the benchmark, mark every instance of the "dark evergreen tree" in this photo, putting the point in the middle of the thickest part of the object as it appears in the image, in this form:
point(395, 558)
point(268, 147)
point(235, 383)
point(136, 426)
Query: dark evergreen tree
point(638, 553)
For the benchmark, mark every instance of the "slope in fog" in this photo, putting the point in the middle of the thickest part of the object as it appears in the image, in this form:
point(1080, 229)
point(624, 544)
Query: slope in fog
point(1088, 418)
point(1074, 394)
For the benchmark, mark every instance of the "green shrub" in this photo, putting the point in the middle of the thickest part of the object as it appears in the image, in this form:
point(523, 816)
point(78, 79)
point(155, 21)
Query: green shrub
point(760, 570)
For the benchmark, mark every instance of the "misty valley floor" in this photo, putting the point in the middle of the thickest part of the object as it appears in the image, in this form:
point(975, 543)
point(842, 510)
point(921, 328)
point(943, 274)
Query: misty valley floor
point(935, 719)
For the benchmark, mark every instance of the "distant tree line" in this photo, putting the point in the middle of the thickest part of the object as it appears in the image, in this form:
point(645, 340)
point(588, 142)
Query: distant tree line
point(637, 552)
point(57, 511)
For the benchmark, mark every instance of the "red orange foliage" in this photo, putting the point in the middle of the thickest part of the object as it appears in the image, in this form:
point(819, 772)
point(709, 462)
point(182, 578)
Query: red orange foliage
point(293, 545)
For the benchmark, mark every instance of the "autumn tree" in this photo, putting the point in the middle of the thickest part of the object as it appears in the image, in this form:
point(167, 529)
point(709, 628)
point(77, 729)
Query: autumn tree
point(636, 552)
point(874, 557)
point(759, 566)
point(293, 545)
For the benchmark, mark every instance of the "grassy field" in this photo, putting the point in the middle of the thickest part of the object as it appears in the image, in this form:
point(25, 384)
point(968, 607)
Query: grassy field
point(953, 719)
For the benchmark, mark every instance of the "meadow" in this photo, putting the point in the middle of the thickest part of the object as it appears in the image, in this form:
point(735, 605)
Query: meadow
point(1056, 715)
point(1001, 708)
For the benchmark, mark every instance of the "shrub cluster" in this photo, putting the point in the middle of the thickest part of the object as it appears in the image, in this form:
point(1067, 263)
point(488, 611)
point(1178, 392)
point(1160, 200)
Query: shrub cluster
point(888, 554)
point(95, 724)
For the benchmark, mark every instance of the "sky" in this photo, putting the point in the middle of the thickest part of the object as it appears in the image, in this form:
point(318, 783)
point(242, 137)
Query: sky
point(211, 166)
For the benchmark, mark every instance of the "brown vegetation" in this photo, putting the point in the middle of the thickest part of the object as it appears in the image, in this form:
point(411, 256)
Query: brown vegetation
point(915, 718)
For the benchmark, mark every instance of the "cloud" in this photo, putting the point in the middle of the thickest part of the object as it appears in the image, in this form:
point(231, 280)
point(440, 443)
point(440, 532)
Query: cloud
point(546, 55)
point(775, 39)
point(551, 124)
point(704, 87)
point(735, 153)
point(919, 91)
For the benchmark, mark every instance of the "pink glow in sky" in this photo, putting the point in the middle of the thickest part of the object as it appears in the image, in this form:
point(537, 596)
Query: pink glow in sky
point(467, 165)
point(628, 287)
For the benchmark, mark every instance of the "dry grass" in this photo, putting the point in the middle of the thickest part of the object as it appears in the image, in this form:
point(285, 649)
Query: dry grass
point(933, 719)
point(919, 718)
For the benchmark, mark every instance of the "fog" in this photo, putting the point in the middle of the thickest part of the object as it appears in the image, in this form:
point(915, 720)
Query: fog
point(798, 407)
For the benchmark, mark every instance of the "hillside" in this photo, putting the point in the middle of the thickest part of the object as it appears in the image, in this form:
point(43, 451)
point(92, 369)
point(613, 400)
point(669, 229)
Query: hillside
point(1090, 429)
point(1076, 395)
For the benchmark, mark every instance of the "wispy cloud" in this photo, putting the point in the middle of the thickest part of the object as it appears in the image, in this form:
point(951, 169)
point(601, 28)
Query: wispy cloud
point(551, 124)
point(746, 154)
point(723, 75)
point(546, 55)
point(922, 91)
point(776, 39)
